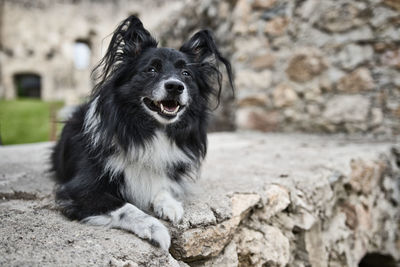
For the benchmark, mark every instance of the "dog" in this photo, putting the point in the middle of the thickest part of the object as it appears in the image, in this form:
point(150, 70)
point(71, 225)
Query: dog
point(129, 153)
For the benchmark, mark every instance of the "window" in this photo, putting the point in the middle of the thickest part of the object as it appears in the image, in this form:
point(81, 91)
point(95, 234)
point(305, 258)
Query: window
point(81, 55)
point(27, 85)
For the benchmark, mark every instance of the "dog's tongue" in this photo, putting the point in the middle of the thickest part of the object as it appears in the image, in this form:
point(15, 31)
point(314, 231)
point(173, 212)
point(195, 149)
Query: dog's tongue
point(170, 105)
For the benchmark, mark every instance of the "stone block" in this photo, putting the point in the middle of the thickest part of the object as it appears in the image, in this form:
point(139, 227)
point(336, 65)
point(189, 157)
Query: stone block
point(347, 108)
point(252, 118)
point(284, 95)
point(357, 81)
point(306, 64)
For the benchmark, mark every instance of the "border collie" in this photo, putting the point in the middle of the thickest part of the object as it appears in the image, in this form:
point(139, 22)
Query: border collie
point(133, 148)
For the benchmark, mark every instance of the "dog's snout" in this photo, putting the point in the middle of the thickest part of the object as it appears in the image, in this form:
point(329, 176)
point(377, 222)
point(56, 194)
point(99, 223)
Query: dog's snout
point(174, 87)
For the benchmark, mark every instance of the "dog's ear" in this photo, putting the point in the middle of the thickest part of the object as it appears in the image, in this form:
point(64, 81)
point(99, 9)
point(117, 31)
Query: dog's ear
point(202, 50)
point(129, 39)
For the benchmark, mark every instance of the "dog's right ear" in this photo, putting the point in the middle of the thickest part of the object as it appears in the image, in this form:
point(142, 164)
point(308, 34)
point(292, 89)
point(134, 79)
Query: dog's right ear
point(129, 39)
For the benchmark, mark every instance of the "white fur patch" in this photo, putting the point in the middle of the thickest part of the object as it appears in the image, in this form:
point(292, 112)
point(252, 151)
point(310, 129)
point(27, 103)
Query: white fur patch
point(92, 120)
point(166, 207)
point(145, 170)
point(130, 218)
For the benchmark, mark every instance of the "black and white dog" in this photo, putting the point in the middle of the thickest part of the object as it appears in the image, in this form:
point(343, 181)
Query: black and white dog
point(141, 137)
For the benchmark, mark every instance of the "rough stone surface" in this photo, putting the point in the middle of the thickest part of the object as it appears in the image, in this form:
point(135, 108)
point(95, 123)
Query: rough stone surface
point(284, 95)
point(263, 200)
point(357, 81)
point(347, 108)
point(305, 65)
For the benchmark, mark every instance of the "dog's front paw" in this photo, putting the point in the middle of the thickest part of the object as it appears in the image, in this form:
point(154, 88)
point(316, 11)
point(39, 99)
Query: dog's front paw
point(169, 209)
point(152, 229)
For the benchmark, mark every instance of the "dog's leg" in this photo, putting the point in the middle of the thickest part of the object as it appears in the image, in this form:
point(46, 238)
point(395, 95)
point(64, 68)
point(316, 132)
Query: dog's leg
point(167, 207)
point(94, 206)
point(132, 219)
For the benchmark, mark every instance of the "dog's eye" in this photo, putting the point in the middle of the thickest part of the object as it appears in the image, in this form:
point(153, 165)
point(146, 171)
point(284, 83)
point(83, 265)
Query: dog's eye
point(185, 73)
point(151, 69)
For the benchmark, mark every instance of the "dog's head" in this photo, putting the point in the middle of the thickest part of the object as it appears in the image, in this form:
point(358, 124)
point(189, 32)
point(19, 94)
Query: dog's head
point(165, 83)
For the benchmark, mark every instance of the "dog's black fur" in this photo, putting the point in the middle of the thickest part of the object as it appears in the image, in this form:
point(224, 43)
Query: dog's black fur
point(105, 150)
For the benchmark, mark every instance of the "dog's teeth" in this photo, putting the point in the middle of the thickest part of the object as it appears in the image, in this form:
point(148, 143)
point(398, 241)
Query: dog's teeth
point(163, 110)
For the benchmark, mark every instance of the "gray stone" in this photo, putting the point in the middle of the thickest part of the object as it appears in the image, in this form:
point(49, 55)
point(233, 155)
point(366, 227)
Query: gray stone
point(284, 95)
point(273, 192)
point(354, 55)
point(393, 4)
point(340, 18)
point(357, 81)
point(256, 118)
point(253, 81)
point(305, 64)
point(227, 258)
point(381, 16)
point(347, 108)
point(266, 246)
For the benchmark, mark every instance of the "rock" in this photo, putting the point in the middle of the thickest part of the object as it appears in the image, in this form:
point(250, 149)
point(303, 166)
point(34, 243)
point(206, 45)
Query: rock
point(381, 16)
point(227, 258)
point(390, 33)
point(317, 254)
point(347, 108)
point(365, 175)
point(275, 199)
point(200, 243)
point(376, 116)
point(307, 9)
point(25, 178)
point(276, 26)
point(246, 46)
point(253, 81)
point(257, 119)
point(26, 239)
point(263, 4)
point(254, 100)
point(241, 15)
point(391, 58)
point(263, 61)
point(265, 247)
point(354, 55)
point(340, 18)
point(275, 208)
point(313, 94)
point(284, 95)
point(393, 4)
point(357, 81)
point(305, 65)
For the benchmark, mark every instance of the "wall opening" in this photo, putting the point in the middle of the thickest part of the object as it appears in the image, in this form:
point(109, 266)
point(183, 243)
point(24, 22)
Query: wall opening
point(377, 260)
point(82, 54)
point(28, 85)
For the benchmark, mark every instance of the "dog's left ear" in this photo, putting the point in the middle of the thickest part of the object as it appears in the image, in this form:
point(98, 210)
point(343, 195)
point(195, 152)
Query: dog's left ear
point(201, 49)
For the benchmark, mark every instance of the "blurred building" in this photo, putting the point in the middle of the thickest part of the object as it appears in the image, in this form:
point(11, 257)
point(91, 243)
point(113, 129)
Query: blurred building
point(305, 65)
point(49, 47)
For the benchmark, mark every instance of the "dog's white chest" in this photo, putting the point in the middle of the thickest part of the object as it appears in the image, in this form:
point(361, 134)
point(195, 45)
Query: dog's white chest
point(145, 169)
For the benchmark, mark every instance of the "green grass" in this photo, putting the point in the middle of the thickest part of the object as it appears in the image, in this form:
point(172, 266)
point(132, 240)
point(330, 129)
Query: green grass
point(25, 120)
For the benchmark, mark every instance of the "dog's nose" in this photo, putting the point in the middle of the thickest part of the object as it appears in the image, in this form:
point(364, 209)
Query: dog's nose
point(174, 87)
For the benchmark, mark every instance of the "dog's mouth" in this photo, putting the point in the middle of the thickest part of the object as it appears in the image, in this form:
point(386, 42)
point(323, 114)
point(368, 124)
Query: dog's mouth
point(166, 108)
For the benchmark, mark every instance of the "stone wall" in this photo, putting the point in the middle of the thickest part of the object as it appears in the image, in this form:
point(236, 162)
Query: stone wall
point(316, 66)
point(263, 200)
point(322, 66)
point(306, 65)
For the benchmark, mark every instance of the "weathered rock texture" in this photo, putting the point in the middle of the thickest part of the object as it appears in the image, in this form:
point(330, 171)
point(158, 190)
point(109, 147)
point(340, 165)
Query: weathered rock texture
point(296, 62)
point(263, 200)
